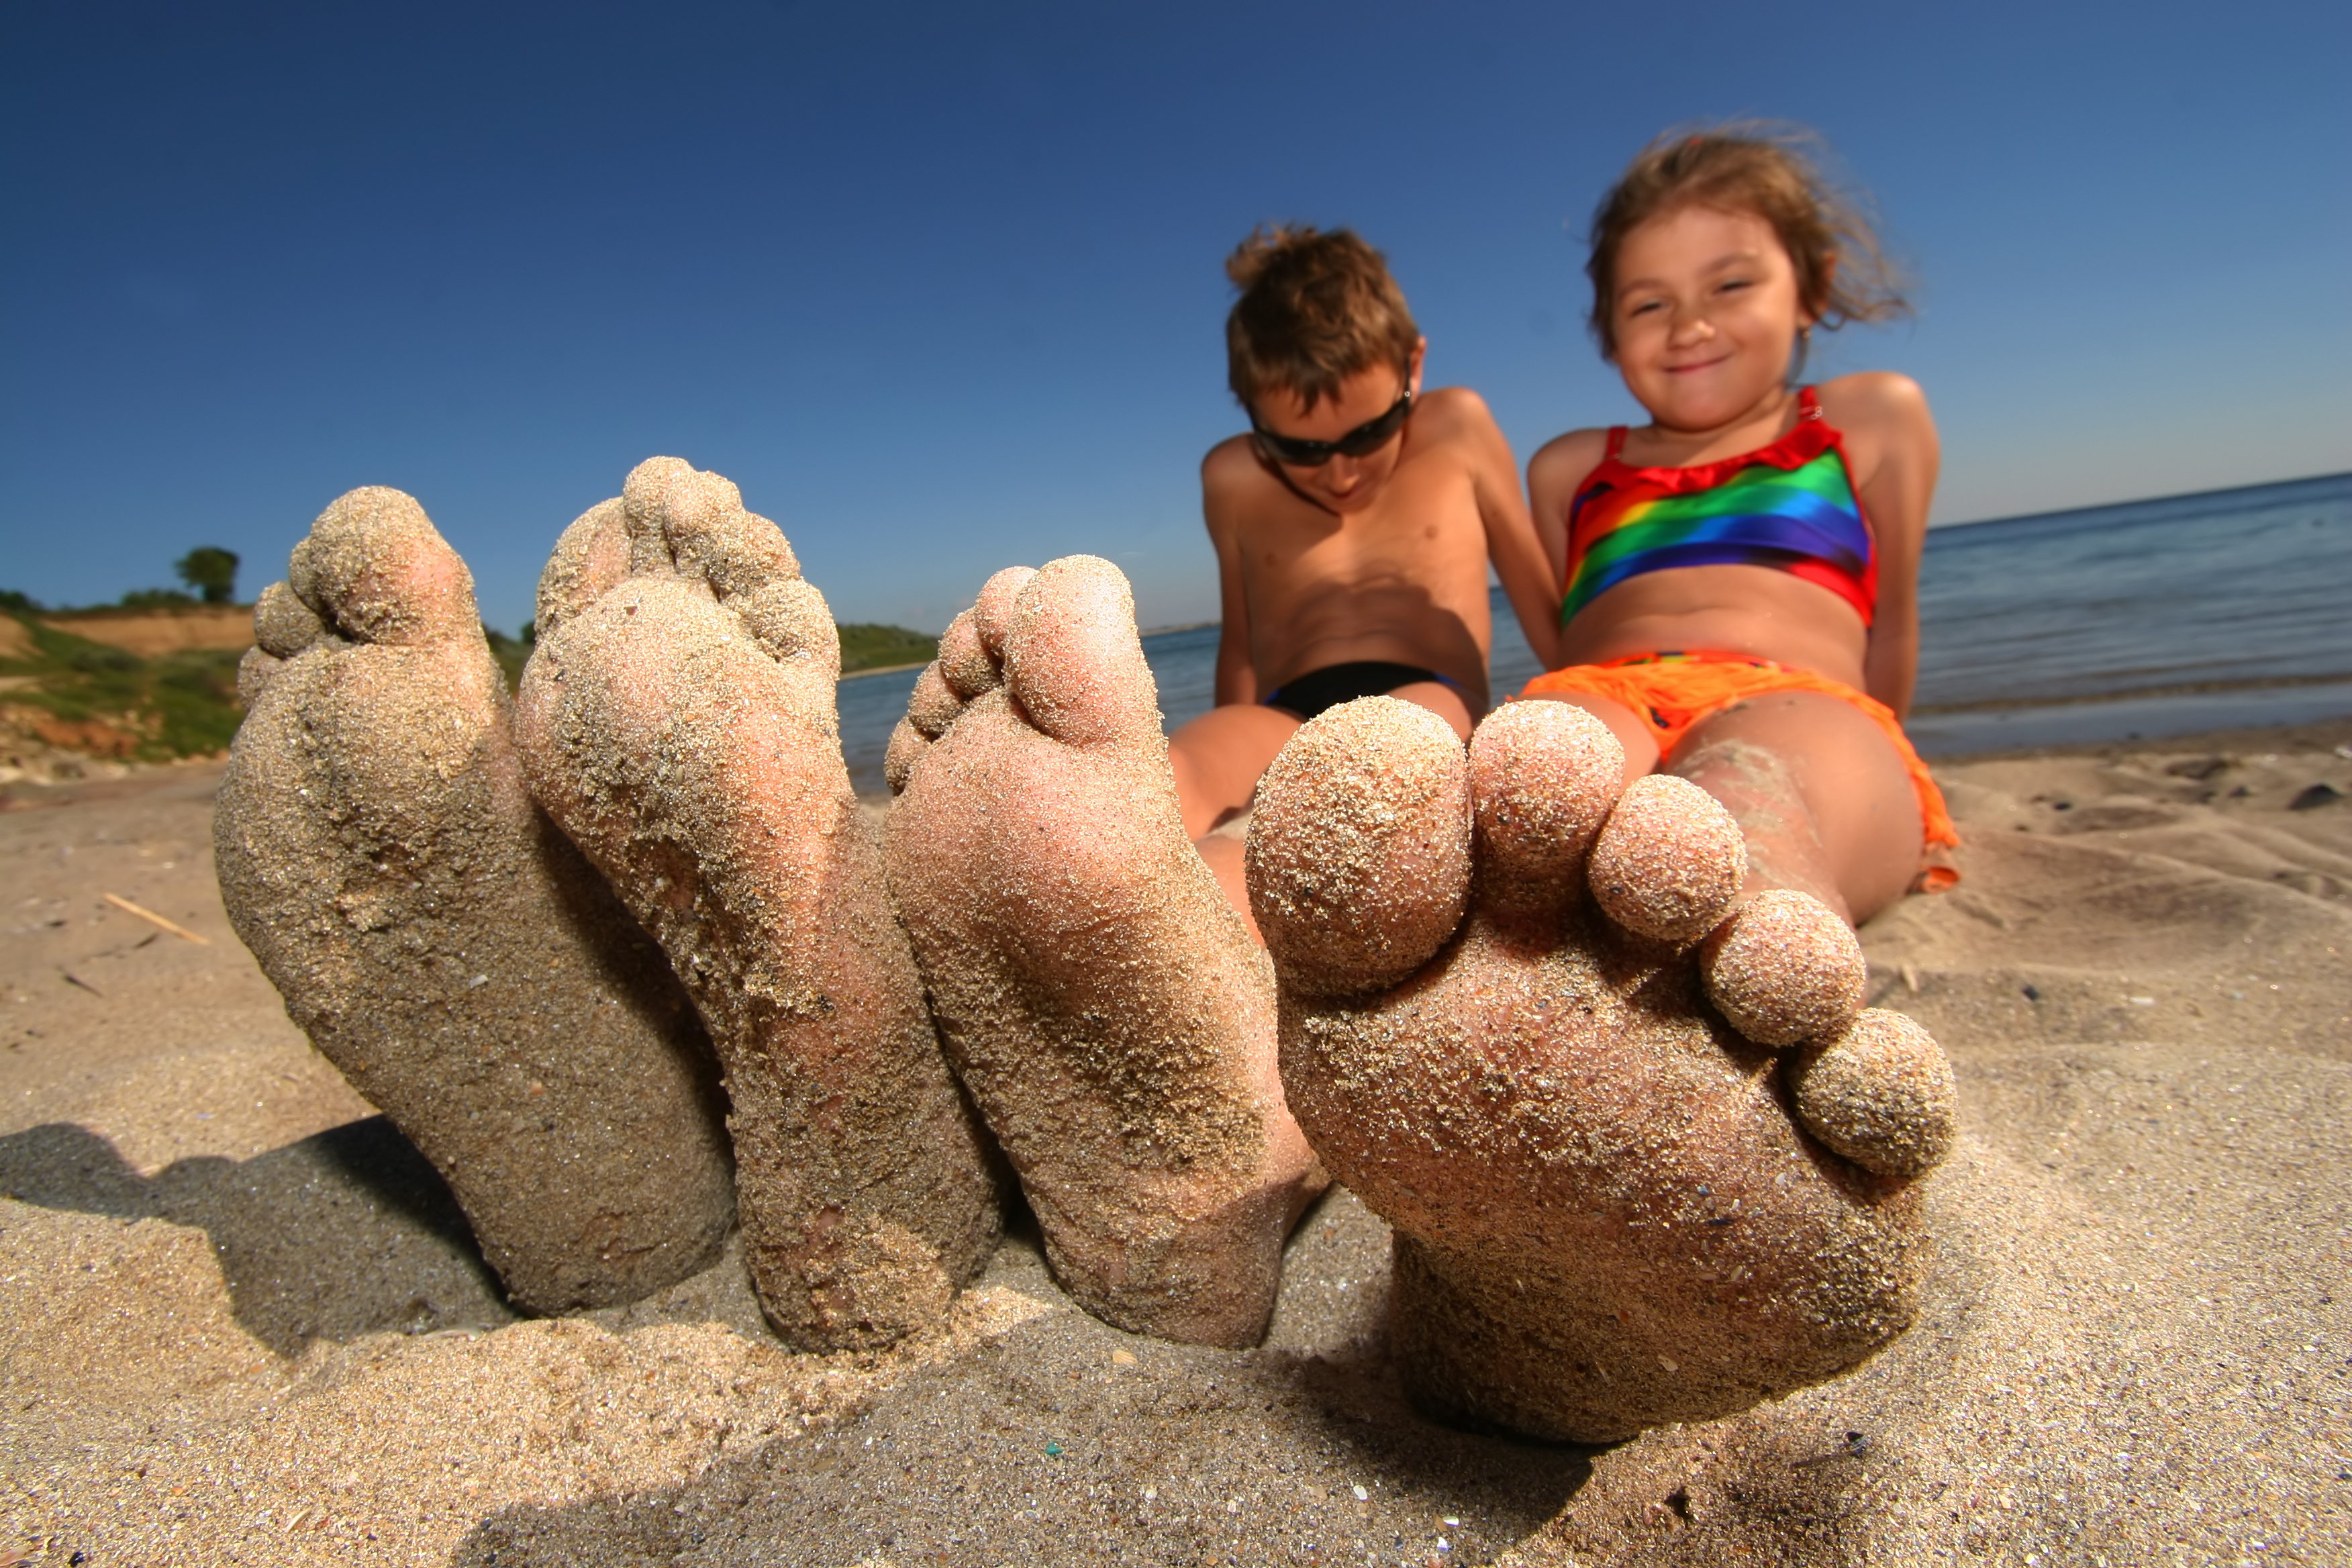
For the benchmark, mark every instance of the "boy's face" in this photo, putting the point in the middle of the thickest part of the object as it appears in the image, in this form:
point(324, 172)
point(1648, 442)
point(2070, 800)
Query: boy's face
point(1344, 484)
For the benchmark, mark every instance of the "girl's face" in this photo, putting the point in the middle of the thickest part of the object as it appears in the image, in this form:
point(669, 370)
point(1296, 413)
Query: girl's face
point(1706, 315)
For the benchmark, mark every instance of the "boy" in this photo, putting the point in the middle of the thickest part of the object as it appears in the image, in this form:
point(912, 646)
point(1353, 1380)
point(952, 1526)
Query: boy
point(1353, 524)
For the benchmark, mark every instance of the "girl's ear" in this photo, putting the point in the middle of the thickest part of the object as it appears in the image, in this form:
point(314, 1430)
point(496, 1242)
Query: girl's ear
point(1808, 311)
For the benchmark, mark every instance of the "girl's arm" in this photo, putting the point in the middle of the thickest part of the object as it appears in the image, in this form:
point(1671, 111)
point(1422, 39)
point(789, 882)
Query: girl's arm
point(1553, 475)
point(1891, 438)
point(1236, 680)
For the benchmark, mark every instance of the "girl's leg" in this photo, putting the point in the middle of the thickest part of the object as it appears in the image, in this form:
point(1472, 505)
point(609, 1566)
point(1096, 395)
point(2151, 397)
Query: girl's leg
point(1633, 732)
point(1823, 800)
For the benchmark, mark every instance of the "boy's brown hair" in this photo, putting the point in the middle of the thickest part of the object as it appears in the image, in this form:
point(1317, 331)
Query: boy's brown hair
point(1316, 309)
point(1842, 275)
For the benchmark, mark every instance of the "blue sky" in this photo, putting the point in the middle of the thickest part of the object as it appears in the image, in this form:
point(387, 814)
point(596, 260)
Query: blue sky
point(940, 286)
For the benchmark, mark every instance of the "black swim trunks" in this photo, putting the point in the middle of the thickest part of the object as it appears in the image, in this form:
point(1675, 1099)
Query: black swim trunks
point(1316, 690)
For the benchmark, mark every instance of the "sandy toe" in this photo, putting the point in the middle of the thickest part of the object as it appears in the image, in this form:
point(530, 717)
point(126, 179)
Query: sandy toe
point(1100, 999)
point(678, 721)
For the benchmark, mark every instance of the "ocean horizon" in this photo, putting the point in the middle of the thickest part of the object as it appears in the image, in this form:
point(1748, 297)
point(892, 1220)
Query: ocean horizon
point(2132, 621)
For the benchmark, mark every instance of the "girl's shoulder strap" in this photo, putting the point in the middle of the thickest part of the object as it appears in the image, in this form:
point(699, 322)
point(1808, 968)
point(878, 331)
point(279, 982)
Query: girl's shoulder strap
point(1617, 440)
point(1809, 407)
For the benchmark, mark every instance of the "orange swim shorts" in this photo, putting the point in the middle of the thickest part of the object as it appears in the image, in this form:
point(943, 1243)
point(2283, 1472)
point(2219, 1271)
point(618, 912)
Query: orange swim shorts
point(1676, 691)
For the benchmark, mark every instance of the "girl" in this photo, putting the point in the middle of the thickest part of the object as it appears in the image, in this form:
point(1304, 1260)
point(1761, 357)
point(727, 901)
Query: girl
point(1741, 574)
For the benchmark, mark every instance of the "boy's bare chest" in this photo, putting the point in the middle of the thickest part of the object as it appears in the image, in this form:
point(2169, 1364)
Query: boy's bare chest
point(1428, 530)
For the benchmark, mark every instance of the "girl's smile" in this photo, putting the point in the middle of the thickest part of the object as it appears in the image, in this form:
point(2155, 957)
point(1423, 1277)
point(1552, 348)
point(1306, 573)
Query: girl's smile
point(1706, 317)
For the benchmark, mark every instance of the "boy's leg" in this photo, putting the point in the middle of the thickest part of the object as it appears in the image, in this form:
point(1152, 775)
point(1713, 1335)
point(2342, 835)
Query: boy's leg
point(1219, 757)
point(1825, 803)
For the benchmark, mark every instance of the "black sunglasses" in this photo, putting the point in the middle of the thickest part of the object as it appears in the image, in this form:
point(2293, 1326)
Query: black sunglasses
point(1361, 442)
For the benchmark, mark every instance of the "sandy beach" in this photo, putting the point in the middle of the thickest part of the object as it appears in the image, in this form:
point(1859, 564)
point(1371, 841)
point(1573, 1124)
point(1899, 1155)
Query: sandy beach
point(242, 1322)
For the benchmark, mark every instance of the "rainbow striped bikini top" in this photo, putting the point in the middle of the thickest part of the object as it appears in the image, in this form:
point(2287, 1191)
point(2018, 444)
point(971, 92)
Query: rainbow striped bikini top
point(1790, 505)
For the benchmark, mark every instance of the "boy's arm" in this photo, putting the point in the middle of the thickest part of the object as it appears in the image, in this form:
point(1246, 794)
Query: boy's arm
point(1891, 414)
point(1512, 545)
point(1236, 681)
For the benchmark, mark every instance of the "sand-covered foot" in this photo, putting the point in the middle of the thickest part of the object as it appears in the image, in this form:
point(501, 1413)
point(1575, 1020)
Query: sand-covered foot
point(678, 719)
point(1103, 1003)
point(1605, 1215)
point(441, 941)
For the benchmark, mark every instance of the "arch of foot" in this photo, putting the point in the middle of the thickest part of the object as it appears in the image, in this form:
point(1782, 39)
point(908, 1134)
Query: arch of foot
point(678, 720)
point(1606, 1216)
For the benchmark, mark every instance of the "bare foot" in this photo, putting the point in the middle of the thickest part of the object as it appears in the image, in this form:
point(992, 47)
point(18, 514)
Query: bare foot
point(1606, 1216)
point(1102, 1001)
point(442, 943)
point(678, 719)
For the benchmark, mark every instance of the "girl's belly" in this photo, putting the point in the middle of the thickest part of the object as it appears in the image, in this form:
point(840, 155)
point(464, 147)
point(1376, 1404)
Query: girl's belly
point(1731, 609)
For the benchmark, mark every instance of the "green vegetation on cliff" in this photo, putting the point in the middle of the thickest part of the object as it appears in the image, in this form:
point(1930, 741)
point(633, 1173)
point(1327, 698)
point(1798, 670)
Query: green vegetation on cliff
point(84, 697)
point(866, 646)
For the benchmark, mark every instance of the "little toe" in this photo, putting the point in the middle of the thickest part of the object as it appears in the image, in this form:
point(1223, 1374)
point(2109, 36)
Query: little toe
point(1072, 657)
point(590, 560)
point(1785, 967)
point(1358, 853)
point(374, 568)
point(1669, 861)
point(1544, 776)
point(1880, 1093)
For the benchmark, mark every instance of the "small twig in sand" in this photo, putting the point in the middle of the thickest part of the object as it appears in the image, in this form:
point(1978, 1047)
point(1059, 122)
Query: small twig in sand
point(127, 907)
point(1855, 1446)
point(73, 979)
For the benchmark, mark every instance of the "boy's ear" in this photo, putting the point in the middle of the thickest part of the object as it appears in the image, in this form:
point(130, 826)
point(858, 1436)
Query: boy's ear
point(1413, 375)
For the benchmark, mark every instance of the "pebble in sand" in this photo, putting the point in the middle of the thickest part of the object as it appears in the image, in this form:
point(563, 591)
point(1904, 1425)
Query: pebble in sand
point(1605, 1217)
point(678, 719)
point(442, 943)
point(1101, 1000)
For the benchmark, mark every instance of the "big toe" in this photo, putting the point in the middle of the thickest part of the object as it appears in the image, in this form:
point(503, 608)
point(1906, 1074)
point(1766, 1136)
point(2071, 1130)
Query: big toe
point(376, 569)
point(680, 520)
point(1359, 854)
point(1073, 658)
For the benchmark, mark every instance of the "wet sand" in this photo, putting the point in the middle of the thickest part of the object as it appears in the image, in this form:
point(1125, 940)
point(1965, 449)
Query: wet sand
point(241, 1321)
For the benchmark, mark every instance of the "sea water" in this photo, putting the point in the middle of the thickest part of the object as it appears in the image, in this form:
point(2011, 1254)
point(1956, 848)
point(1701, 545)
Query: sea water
point(2114, 623)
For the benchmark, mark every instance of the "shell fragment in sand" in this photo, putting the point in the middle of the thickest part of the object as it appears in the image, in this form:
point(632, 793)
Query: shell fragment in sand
point(152, 918)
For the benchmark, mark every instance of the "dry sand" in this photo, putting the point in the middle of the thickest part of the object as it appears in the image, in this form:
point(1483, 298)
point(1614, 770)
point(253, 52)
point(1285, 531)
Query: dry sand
point(241, 1323)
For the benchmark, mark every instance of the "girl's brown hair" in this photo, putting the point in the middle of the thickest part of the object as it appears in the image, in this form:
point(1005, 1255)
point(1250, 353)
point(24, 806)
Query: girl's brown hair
point(1843, 274)
point(1316, 309)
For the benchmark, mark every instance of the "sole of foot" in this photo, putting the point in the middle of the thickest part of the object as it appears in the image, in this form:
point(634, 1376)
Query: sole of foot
point(1101, 1000)
point(1611, 1210)
point(678, 719)
point(442, 943)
